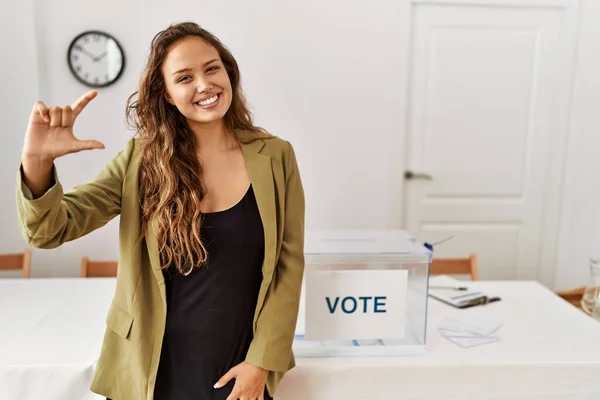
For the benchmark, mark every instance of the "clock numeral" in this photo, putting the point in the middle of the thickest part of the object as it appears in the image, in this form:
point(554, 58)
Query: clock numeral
point(96, 38)
point(106, 78)
point(87, 75)
point(78, 68)
point(96, 80)
point(86, 39)
point(78, 47)
point(75, 57)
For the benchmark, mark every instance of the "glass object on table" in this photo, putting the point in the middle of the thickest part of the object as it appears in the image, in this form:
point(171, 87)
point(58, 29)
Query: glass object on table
point(596, 312)
point(346, 265)
point(591, 296)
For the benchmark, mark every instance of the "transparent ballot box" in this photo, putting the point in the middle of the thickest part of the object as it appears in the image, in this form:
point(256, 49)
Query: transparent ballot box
point(364, 294)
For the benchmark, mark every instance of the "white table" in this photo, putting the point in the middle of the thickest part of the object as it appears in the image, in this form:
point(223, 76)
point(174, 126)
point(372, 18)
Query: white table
point(51, 332)
point(548, 350)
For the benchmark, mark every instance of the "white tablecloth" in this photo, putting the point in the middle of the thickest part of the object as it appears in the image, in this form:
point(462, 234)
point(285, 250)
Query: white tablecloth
point(51, 332)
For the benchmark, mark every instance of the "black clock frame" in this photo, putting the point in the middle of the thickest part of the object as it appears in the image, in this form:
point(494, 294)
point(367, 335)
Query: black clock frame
point(97, 32)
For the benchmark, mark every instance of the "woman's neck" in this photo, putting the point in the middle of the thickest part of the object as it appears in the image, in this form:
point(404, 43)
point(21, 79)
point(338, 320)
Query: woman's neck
point(212, 138)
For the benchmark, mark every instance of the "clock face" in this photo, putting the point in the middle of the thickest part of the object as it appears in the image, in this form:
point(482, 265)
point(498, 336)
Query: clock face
point(96, 59)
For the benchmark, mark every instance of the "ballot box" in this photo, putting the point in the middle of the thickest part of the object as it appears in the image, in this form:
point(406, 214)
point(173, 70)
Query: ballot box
point(364, 293)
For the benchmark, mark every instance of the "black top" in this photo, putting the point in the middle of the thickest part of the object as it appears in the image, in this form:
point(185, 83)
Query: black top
point(210, 311)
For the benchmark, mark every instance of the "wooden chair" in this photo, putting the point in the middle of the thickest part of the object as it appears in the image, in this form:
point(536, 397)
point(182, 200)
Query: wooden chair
point(573, 296)
point(456, 266)
point(98, 269)
point(17, 261)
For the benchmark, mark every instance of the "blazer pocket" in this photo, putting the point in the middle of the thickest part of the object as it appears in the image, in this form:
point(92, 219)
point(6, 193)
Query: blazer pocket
point(119, 321)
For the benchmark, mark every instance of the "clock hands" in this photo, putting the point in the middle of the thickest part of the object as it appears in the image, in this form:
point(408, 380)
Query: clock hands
point(87, 53)
point(90, 55)
point(100, 56)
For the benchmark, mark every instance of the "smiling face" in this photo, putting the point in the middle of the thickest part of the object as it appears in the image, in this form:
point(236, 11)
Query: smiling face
point(196, 81)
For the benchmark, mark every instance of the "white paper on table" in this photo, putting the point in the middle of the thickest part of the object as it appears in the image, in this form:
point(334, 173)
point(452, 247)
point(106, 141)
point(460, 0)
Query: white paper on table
point(475, 326)
point(472, 341)
point(468, 331)
point(440, 288)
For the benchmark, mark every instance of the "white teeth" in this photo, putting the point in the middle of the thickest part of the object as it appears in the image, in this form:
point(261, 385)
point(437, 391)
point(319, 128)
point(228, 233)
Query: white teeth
point(208, 101)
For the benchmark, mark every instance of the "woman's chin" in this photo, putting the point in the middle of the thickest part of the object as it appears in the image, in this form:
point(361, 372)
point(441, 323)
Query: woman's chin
point(206, 118)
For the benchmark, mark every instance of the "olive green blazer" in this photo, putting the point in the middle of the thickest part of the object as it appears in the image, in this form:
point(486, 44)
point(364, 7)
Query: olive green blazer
point(128, 362)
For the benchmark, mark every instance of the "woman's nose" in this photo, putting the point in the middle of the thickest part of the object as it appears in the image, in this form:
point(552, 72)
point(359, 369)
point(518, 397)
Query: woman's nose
point(204, 87)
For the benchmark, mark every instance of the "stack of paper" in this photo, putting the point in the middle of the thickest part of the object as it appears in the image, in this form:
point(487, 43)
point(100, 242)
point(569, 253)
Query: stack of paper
point(456, 293)
point(467, 331)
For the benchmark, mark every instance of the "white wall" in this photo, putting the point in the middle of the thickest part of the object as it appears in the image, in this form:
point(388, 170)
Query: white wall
point(320, 74)
point(580, 218)
point(19, 89)
point(323, 75)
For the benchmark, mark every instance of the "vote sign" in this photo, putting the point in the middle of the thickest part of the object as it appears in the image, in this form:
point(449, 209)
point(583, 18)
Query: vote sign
point(356, 304)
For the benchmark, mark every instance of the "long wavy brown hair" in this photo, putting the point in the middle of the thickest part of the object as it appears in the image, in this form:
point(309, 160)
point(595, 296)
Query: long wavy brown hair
point(170, 172)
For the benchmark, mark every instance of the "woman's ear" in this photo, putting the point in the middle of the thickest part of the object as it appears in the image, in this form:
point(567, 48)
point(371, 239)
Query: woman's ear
point(169, 99)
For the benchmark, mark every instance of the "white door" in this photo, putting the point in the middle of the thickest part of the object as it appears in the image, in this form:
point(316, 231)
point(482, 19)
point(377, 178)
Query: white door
point(486, 122)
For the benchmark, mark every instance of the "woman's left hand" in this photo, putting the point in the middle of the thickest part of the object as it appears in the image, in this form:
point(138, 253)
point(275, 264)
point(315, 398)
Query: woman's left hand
point(249, 382)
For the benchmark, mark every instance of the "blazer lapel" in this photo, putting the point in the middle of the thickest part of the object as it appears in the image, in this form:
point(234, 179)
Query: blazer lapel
point(132, 202)
point(261, 177)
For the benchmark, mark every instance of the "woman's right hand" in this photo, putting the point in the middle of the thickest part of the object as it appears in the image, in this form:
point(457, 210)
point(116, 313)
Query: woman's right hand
point(50, 132)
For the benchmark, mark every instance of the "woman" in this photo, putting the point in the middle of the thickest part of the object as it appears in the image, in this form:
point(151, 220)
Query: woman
point(211, 229)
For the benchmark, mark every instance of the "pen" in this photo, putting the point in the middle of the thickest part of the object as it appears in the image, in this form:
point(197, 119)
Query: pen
point(478, 302)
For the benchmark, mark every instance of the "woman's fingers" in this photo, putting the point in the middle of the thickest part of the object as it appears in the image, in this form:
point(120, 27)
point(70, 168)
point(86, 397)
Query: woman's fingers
point(55, 116)
point(41, 109)
point(81, 145)
point(64, 116)
point(83, 101)
point(67, 116)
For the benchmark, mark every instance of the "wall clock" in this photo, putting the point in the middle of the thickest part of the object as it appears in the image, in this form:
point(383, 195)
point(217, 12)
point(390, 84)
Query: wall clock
point(96, 59)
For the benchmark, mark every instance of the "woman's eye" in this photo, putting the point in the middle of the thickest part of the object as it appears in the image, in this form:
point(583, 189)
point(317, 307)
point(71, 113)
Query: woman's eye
point(183, 78)
point(212, 69)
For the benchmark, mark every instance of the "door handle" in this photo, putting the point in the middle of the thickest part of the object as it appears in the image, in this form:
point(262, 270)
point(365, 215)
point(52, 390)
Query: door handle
point(410, 175)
